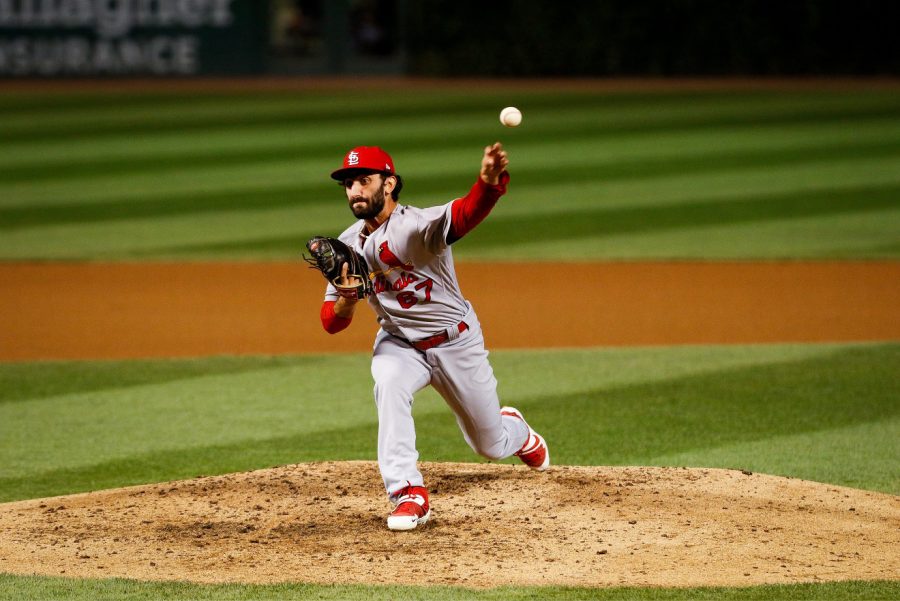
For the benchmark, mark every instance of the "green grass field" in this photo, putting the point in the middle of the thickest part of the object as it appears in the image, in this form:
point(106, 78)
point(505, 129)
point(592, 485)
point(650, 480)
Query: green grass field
point(596, 176)
point(822, 412)
point(69, 590)
point(813, 173)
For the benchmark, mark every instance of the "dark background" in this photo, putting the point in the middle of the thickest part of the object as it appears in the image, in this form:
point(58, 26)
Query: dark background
point(523, 38)
point(665, 38)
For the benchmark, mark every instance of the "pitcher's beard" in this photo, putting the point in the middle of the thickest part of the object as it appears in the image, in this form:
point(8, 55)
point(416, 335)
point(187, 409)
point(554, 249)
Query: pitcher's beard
point(371, 208)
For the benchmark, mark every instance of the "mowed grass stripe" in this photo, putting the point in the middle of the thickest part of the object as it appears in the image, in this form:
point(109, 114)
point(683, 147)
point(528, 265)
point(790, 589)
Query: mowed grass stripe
point(588, 147)
point(759, 406)
point(156, 206)
point(566, 129)
point(32, 104)
point(348, 443)
point(714, 186)
point(124, 153)
point(280, 196)
point(69, 391)
point(130, 238)
point(70, 108)
point(580, 156)
point(595, 160)
point(839, 454)
point(445, 182)
point(33, 381)
point(658, 112)
point(608, 114)
point(82, 104)
point(503, 232)
point(64, 108)
point(561, 115)
point(870, 235)
point(210, 111)
point(280, 232)
point(257, 418)
point(600, 222)
point(242, 407)
point(113, 187)
point(43, 587)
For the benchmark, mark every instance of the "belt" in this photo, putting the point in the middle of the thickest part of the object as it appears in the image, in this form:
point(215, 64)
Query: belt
point(440, 338)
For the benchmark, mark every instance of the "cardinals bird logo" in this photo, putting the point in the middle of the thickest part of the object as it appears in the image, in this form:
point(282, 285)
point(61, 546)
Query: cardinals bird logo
point(390, 259)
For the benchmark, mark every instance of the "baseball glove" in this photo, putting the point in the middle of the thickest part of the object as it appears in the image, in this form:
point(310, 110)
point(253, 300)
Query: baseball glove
point(329, 256)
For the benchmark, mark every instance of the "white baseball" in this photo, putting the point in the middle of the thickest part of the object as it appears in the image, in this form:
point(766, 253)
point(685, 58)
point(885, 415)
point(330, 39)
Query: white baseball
point(510, 116)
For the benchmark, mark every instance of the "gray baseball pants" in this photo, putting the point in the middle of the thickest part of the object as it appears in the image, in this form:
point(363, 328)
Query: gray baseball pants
point(461, 373)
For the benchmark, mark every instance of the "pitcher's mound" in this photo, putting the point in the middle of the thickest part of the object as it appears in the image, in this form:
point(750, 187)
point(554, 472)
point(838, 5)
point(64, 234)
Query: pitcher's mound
point(492, 525)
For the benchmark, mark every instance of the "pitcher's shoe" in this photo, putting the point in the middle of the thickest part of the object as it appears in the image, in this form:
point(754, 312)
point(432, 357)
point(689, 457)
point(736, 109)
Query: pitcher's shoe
point(412, 509)
point(534, 452)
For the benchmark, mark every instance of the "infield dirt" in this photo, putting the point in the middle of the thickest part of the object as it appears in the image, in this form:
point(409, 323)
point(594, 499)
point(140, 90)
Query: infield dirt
point(131, 310)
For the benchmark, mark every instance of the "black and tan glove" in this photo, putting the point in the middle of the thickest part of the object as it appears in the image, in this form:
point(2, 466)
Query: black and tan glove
point(329, 256)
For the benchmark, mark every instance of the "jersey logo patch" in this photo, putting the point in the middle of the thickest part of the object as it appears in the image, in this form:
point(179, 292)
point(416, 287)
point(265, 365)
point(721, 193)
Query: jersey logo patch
point(386, 256)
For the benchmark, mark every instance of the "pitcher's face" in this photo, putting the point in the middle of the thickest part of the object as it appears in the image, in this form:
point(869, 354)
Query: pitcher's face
point(365, 194)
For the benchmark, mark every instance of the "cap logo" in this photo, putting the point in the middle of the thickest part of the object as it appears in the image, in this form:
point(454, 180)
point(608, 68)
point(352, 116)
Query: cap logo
point(387, 167)
point(353, 158)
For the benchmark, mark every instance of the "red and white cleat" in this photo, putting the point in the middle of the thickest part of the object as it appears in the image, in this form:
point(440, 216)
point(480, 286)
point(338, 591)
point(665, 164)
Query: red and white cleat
point(534, 452)
point(412, 509)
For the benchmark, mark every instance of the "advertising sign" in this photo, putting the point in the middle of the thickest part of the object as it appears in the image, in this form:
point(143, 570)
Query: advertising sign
point(52, 38)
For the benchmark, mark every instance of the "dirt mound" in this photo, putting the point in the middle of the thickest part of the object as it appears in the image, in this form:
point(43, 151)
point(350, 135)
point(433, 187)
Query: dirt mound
point(493, 525)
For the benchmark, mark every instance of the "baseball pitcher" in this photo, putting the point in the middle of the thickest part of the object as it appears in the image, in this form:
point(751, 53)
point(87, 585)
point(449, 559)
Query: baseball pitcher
point(399, 259)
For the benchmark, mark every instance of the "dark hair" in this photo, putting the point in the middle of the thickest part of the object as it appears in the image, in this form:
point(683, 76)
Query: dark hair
point(395, 193)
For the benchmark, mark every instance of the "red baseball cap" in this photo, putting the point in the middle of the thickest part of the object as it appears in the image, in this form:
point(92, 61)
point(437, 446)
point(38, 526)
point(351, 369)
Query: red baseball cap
point(365, 158)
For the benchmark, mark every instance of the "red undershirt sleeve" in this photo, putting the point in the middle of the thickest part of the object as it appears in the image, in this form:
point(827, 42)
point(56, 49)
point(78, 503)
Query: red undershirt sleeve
point(470, 210)
point(331, 321)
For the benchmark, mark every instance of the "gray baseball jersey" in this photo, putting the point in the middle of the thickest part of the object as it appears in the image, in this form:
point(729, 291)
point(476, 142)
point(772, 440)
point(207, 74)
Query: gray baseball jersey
point(416, 296)
point(415, 285)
